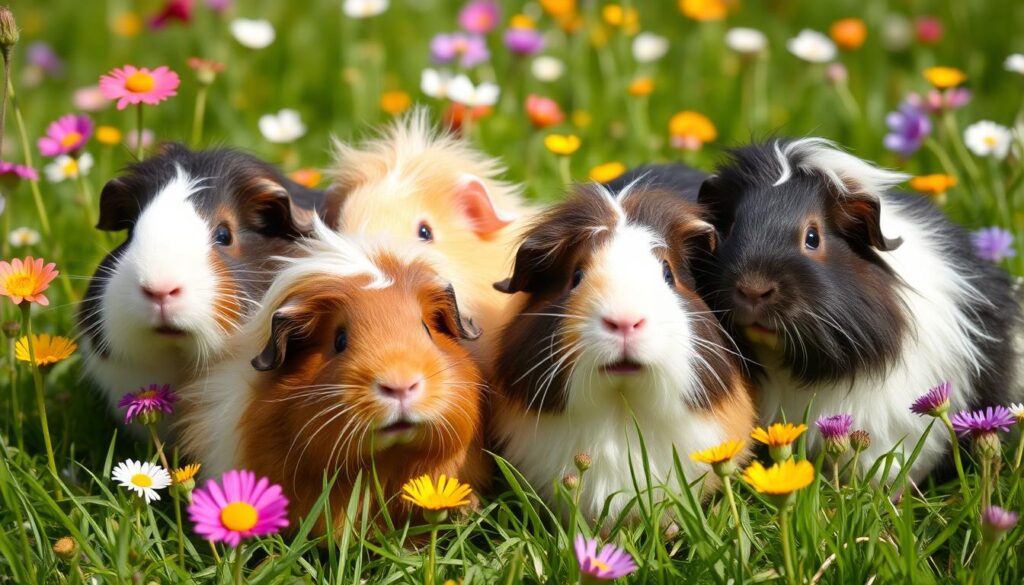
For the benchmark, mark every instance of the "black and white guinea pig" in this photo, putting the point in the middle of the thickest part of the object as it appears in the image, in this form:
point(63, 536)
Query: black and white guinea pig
point(611, 328)
point(203, 228)
point(854, 298)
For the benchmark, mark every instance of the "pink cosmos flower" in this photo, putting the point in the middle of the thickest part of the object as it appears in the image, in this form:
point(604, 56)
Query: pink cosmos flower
point(16, 172)
point(133, 85)
point(67, 135)
point(480, 16)
point(610, 563)
point(143, 404)
point(237, 508)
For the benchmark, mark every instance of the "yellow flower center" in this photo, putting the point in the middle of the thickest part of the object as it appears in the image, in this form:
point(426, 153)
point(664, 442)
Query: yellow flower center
point(70, 138)
point(70, 168)
point(146, 395)
point(20, 284)
point(142, 480)
point(600, 565)
point(990, 140)
point(140, 82)
point(239, 516)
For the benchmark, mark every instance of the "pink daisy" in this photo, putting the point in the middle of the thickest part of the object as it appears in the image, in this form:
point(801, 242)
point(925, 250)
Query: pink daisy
point(609, 563)
point(133, 85)
point(15, 172)
point(65, 136)
point(239, 507)
point(25, 280)
point(143, 404)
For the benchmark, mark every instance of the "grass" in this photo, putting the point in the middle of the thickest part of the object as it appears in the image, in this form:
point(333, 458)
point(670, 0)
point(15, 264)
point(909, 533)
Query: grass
point(333, 69)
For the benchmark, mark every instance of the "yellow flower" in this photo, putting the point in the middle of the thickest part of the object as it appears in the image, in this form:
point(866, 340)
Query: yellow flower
point(719, 454)
point(563, 144)
point(849, 33)
point(933, 184)
point(607, 172)
point(185, 473)
point(395, 102)
point(617, 15)
point(559, 8)
point(944, 77)
point(780, 479)
point(521, 21)
point(127, 24)
point(448, 493)
point(641, 86)
point(778, 434)
point(691, 130)
point(705, 10)
point(108, 135)
point(50, 349)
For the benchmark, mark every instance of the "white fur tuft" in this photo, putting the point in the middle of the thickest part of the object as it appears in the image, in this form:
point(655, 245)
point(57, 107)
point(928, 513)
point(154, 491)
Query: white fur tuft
point(842, 169)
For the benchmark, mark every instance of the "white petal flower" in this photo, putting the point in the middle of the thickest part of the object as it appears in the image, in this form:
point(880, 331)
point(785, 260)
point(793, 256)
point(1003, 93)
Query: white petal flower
point(1017, 410)
point(1015, 63)
point(812, 46)
point(434, 83)
point(253, 33)
point(66, 167)
point(23, 236)
point(746, 41)
point(649, 47)
point(364, 8)
point(986, 138)
point(462, 90)
point(547, 69)
point(283, 127)
point(142, 477)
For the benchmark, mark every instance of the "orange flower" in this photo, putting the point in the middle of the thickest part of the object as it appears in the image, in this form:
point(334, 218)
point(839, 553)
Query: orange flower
point(559, 8)
point(618, 16)
point(933, 184)
point(849, 33)
point(691, 130)
point(607, 172)
point(641, 86)
point(705, 10)
point(543, 112)
point(395, 102)
point(944, 77)
point(308, 178)
point(25, 280)
point(521, 21)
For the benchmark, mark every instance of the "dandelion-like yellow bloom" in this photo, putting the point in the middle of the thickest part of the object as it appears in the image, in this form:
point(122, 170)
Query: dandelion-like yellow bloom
point(108, 135)
point(50, 349)
point(186, 473)
point(778, 434)
point(395, 102)
point(559, 8)
point(705, 10)
point(607, 172)
point(562, 144)
point(641, 86)
point(691, 130)
point(619, 16)
point(944, 77)
point(521, 21)
point(933, 184)
point(447, 494)
point(780, 479)
point(718, 454)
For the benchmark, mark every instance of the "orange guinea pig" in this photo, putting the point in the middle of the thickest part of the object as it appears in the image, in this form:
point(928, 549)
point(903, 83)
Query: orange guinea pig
point(354, 363)
point(433, 190)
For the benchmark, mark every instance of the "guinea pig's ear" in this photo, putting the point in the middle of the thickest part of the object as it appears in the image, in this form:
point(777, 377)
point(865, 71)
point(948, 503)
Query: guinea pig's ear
point(282, 325)
point(858, 216)
point(119, 207)
point(272, 210)
point(702, 235)
point(717, 199)
point(450, 319)
point(474, 201)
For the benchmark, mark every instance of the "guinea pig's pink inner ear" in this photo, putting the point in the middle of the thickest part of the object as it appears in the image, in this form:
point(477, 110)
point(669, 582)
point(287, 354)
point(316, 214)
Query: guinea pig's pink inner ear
point(474, 201)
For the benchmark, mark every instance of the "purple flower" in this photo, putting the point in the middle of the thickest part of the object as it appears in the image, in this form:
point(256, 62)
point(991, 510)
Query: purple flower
point(470, 49)
point(836, 426)
point(610, 563)
point(147, 404)
point(998, 520)
point(65, 136)
point(908, 127)
point(219, 6)
point(934, 402)
point(480, 16)
point(993, 244)
point(42, 55)
point(524, 41)
point(989, 420)
point(9, 170)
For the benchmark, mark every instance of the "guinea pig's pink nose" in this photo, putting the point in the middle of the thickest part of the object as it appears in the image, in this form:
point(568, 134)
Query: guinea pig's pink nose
point(623, 325)
point(400, 390)
point(755, 293)
point(162, 293)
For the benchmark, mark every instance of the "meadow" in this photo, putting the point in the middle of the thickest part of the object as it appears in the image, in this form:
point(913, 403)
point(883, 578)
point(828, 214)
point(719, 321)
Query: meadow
point(562, 91)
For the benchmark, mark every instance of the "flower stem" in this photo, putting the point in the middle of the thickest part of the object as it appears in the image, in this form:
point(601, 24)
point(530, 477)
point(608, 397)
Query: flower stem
point(986, 483)
point(83, 184)
point(44, 220)
point(15, 396)
point(787, 553)
point(1020, 451)
point(139, 151)
point(181, 532)
point(6, 90)
point(956, 455)
point(199, 115)
point(159, 446)
point(853, 468)
point(835, 473)
point(213, 549)
point(37, 377)
point(564, 170)
point(238, 566)
point(428, 578)
point(727, 484)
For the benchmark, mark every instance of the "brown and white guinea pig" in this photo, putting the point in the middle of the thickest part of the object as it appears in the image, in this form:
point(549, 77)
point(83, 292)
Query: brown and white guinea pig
point(353, 363)
point(854, 298)
point(202, 229)
point(611, 336)
point(434, 190)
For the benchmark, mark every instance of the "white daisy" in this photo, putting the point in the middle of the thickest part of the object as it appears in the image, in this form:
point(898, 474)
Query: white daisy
point(23, 236)
point(66, 167)
point(812, 46)
point(142, 477)
point(283, 127)
point(649, 47)
point(1015, 63)
point(986, 138)
point(547, 69)
point(253, 33)
point(462, 90)
point(746, 41)
point(1017, 410)
point(434, 83)
point(364, 8)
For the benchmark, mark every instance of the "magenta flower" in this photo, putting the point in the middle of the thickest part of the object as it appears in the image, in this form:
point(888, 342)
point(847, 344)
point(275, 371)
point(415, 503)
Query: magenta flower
point(11, 173)
point(993, 244)
point(989, 420)
point(836, 426)
point(934, 402)
point(179, 10)
point(524, 41)
point(471, 50)
point(936, 102)
point(134, 85)
point(239, 507)
point(479, 16)
point(610, 563)
point(998, 520)
point(147, 405)
point(908, 127)
point(65, 136)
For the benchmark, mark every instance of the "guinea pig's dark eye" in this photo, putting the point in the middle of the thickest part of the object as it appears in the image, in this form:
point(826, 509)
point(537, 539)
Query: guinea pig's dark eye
point(425, 233)
point(812, 240)
point(577, 278)
point(341, 340)
point(666, 273)
point(222, 235)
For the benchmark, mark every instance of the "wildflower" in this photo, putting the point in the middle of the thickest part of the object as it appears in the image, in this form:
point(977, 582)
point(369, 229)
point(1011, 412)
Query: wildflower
point(11, 174)
point(860, 440)
point(434, 83)
point(835, 427)
point(462, 90)
point(995, 522)
point(609, 563)
point(849, 33)
point(49, 349)
point(562, 144)
point(66, 136)
point(990, 419)
point(780, 479)
point(746, 41)
point(936, 184)
point(283, 127)
point(619, 16)
point(238, 507)
point(987, 138)
point(132, 138)
point(524, 41)
point(253, 33)
point(547, 69)
point(437, 499)
point(720, 457)
point(142, 477)
point(641, 86)
point(705, 10)
point(896, 32)
point(933, 403)
point(133, 85)
point(812, 46)
point(1014, 63)
point(26, 280)
point(582, 461)
point(929, 30)
point(779, 437)
point(607, 172)
point(126, 24)
point(559, 8)
point(395, 102)
point(1017, 410)
point(471, 50)
point(308, 178)
point(89, 99)
point(219, 6)
point(185, 474)
point(543, 112)
point(944, 77)
point(571, 481)
point(836, 73)
point(42, 56)
point(66, 167)
point(206, 69)
point(179, 10)
point(479, 16)
point(457, 113)
point(936, 101)
point(147, 405)
point(649, 47)
point(908, 128)
point(65, 548)
point(364, 8)
point(691, 131)
point(108, 135)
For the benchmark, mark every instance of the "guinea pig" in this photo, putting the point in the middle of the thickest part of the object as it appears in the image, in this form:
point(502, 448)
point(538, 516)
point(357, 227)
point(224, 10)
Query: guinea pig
point(853, 298)
point(610, 337)
point(202, 229)
point(354, 364)
point(433, 190)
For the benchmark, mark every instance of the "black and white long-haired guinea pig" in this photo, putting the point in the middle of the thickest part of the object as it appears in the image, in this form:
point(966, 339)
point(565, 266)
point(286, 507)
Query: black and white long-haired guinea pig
point(202, 228)
point(611, 336)
point(854, 298)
